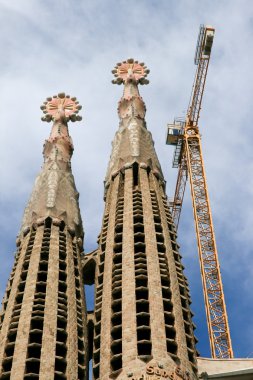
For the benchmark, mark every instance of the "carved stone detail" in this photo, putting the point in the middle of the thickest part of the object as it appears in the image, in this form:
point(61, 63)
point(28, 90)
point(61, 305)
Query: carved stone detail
point(132, 142)
point(54, 193)
point(134, 137)
point(52, 188)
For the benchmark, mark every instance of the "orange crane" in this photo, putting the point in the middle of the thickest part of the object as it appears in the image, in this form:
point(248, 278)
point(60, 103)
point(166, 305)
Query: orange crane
point(188, 158)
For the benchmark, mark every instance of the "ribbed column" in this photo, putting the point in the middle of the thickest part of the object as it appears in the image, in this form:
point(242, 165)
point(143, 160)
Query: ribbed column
point(13, 282)
point(182, 313)
point(105, 354)
point(129, 342)
point(154, 281)
point(20, 353)
point(43, 322)
point(81, 321)
point(99, 281)
point(47, 362)
point(72, 363)
point(179, 322)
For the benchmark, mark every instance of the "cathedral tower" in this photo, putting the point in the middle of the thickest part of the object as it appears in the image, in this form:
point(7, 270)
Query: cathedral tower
point(142, 319)
point(43, 319)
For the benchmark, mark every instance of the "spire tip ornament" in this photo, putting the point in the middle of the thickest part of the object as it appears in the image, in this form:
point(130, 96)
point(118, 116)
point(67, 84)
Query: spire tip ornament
point(61, 107)
point(130, 71)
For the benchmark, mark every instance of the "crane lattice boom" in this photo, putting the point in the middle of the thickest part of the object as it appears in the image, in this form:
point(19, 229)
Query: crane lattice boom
point(189, 161)
point(217, 322)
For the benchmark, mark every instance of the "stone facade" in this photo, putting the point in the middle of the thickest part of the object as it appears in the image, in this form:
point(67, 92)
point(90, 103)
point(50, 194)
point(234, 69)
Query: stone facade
point(141, 327)
point(142, 319)
point(43, 319)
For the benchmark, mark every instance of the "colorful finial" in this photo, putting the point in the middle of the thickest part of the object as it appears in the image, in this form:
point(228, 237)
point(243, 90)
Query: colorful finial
point(61, 106)
point(130, 70)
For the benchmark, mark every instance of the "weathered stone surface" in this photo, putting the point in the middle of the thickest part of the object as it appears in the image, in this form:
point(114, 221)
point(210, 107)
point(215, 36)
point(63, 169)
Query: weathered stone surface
point(142, 325)
point(132, 142)
point(43, 320)
point(54, 193)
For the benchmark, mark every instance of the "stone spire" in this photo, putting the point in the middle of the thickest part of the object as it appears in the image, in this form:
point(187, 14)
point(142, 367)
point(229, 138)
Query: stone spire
point(54, 193)
point(142, 318)
point(132, 142)
point(43, 317)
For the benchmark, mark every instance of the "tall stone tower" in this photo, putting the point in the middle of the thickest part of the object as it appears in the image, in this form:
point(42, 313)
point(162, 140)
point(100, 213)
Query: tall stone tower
point(43, 319)
point(142, 320)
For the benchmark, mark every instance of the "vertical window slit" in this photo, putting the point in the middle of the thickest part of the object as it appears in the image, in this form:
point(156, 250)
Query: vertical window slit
point(62, 302)
point(144, 344)
point(169, 320)
point(14, 321)
point(32, 367)
point(116, 318)
point(98, 300)
point(79, 310)
point(184, 290)
point(135, 174)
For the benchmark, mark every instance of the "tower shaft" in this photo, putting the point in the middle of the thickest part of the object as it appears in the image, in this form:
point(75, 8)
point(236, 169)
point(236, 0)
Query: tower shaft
point(142, 320)
point(144, 295)
point(43, 319)
point(40, 331)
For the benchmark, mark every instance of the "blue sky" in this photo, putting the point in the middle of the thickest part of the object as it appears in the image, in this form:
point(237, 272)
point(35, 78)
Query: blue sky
point(52, 46)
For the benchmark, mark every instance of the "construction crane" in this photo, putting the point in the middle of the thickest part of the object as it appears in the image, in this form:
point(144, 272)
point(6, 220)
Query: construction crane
point(188, 158)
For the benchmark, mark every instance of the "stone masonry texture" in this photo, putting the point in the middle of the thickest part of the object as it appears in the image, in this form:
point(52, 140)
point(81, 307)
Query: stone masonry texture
point(143, 325)
point(43, 329)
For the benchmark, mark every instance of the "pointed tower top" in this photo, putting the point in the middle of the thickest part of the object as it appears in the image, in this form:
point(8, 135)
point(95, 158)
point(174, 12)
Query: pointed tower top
point(130, 71)
point(132, 142)
point(54, 194)
point(62, 108)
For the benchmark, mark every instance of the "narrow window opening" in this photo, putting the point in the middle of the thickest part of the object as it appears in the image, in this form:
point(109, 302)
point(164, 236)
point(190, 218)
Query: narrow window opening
point(7, 364)
point(60, 365)
point(62, 226)
point(81, 373)
point(9, 350)
point(135, 174)
point(140, 248)
point(170, 332)
point(141, 294)
point(142, 306)
point(143, 319)
point(141, 282)
point(116, 320)
point(143, 334)
point(116, 333)
point(117, 348)
point(116, 306)
point(144, 349)
point(34, 352)
point(37, 324)
point(35, 337)
point(33, 366)
point(48, 222)
point(171, 346)
point(116, 363)
point(61, 349)
point(61, 336)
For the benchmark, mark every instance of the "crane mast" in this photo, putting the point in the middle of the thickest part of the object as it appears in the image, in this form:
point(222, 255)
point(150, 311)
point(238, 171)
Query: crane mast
point(188, 158)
